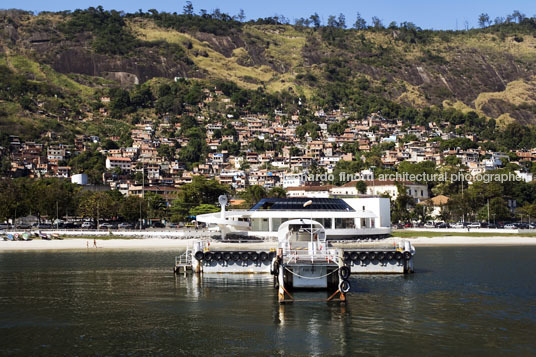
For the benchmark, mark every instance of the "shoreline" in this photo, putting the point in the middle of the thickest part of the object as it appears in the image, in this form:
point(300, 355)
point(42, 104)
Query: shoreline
point(182, 244)
point(461, 241)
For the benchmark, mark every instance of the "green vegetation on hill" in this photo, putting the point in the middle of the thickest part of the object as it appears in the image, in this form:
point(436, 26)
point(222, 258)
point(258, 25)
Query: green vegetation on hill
point(481, 78)
point(108, 27)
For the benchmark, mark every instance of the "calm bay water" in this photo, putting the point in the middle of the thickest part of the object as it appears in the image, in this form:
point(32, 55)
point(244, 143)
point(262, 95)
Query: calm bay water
point(460, 300)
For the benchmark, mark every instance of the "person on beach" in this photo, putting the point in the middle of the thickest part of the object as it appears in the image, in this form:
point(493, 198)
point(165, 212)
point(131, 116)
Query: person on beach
point(94, 242)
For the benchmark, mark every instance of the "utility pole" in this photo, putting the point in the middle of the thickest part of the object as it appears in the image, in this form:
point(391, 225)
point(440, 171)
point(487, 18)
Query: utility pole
point(488, 211)
point(57, 215)
point(142, 192)
point(463, 204)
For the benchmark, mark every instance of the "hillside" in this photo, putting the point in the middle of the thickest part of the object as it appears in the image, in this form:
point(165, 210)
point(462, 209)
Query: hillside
point(491, 71)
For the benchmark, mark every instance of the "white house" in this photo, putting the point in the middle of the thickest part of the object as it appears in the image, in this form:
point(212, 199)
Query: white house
point(378, 188)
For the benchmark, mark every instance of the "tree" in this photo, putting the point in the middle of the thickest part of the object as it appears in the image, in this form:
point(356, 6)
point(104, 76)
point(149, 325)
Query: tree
point(420, 168)
point(110, 145)
point(518, 16)
point(231, 148)
point(377, 23)
point(336, 128)
point(360, 23)
point(344, 168)
point(332, 21)
point(200, 191)
point(483, 20)
point(119, 102)
point(294, 151)
point(341, 21)
point(188, 9)
point(156, 205)
point(498, 210)
point(91, 163)
point(301, 22)
point(315, 19)
point(361, 187)
point(277, 192)
point(241, 15)
point(254, 194)
point(452, 160)
point(16, 198)
point(97, 205)
point(310, 128)
point(166, 151)
point(131, 207)
point(400, 207)
point(529, 210)
point(204, 209)
point(55, 197)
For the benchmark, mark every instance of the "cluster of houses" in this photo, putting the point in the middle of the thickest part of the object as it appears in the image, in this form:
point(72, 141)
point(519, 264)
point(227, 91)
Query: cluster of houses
point(287, 166)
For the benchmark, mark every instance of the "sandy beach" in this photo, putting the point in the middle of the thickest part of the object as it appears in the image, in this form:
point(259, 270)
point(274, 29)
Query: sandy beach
point(471, 241)
point(80, 244)
point(181, 244)
point(133, 244)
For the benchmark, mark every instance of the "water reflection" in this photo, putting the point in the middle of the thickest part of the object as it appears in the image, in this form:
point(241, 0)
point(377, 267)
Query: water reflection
point(470, 300)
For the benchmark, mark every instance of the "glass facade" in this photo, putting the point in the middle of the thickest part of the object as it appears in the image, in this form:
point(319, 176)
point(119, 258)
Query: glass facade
point(260, 224)
point(344, 223)
point(326, 222)
point(277, 222)
point(263, 224)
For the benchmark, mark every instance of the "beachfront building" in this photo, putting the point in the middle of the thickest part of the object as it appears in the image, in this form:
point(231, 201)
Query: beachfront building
point(342, 219)
point(384, 187)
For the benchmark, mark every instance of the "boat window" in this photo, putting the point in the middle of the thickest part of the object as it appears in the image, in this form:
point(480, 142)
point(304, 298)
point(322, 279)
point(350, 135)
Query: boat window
point(260, 224)
point(344, 223)
point(277, 222)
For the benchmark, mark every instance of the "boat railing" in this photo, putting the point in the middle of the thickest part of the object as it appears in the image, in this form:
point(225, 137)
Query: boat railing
point(185, 258)
point(294, 256)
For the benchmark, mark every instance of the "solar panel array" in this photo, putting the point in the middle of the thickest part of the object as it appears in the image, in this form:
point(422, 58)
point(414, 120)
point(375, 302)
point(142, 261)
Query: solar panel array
point(296, 204)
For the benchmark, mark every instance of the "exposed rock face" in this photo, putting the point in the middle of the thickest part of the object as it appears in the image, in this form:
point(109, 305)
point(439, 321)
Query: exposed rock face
point(127, 70)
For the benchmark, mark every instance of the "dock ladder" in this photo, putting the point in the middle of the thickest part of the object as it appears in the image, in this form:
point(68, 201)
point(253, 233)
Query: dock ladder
point(183, 262)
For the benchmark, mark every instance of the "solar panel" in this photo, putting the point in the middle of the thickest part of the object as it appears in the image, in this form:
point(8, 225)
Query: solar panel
point(296, 204)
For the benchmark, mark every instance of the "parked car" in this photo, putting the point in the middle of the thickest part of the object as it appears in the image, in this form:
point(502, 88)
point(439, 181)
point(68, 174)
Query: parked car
point(173, 225)
point(443, 225)
point(137, 226)
point(429, 224)
point(125, 225)
point(69, 225)
point(158, 225)
point(510, 226)
point(43, 226)
point(23, 226)
point(458, 225)
point(87, 225)
point(474, 225)
point(106, 225)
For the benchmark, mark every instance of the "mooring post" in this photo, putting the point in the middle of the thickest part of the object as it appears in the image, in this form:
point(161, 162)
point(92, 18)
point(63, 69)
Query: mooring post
point(340, 263)
point(281, 281)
